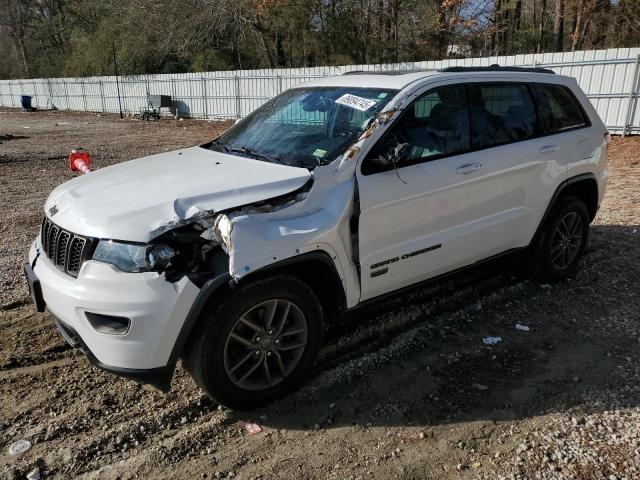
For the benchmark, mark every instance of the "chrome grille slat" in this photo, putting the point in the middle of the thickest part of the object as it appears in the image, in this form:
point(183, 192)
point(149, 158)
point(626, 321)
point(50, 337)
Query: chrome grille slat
point(43, 235)
point(65, 249)
point(53, 235)
point(75, 255)
point(62, 243)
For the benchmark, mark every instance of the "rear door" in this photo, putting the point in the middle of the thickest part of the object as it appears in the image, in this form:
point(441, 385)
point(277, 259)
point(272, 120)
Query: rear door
point(506, 124)
point(566, 124)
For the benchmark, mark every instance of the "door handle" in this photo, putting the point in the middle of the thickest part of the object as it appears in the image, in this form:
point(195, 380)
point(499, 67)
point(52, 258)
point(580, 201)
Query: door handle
point(549, 149)
point(468, 168)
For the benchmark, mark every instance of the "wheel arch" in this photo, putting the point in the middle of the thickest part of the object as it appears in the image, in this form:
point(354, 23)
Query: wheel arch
point(583, 186)
point(316, 269)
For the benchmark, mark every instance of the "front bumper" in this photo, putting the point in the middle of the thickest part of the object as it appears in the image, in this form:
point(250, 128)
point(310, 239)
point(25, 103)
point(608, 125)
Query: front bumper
point(157, 310)
point(157, 377)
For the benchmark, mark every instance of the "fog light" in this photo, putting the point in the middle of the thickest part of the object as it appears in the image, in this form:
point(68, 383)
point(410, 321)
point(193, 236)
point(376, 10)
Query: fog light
point(108, 323)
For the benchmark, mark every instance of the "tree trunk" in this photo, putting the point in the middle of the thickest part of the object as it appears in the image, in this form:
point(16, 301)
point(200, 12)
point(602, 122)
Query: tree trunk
point(442, 29)
point(396, 20)
point(558, 26)
point(543, 12)
point(21, 53)
point(495, 38)
point(515, 25)
point(575, 36)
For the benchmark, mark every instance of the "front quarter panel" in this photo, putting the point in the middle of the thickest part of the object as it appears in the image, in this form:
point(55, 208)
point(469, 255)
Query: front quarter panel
point(318, 223)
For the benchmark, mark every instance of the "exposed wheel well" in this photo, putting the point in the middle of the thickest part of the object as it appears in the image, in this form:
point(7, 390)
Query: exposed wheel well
point(587, 191)
point(318, 272)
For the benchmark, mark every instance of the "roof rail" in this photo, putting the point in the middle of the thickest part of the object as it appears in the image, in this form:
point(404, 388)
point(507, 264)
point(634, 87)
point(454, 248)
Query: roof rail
point(387, 72)
point(496, 68)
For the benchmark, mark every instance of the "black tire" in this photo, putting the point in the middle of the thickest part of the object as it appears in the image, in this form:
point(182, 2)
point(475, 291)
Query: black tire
point(544, 263)
point(206, 356)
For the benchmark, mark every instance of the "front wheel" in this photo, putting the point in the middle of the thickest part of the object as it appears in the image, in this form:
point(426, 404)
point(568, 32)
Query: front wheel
point(257, 345)
point(563, 240)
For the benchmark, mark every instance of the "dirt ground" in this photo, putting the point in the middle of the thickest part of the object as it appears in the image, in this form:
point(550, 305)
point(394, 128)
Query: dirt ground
point(404, 389)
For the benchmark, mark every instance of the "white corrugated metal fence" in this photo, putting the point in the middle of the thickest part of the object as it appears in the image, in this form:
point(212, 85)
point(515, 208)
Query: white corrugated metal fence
point(611, 79)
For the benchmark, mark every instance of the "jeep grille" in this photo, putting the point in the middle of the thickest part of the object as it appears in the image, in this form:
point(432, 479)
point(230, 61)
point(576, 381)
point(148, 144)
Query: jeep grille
point(65, 249)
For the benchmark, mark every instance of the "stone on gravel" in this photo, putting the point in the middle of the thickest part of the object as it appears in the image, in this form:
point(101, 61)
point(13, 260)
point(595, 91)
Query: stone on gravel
point(19, 447)
point(34, 474)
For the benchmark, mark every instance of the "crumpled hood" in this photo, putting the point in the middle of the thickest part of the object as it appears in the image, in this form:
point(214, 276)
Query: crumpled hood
point(131, 200)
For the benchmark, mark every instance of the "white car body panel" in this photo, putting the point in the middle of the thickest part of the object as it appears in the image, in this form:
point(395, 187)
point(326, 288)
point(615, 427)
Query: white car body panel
point(470, 216)
point(157, 309)
point(319, 222)
point(134, 200)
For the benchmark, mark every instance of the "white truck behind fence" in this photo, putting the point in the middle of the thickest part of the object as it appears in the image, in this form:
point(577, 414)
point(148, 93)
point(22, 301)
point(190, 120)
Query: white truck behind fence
point(610, 78)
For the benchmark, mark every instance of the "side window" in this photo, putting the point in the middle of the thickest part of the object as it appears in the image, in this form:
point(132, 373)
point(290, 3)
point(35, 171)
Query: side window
point(501, 113)
point(559, 108)
point(423, 106)
point(434, 125)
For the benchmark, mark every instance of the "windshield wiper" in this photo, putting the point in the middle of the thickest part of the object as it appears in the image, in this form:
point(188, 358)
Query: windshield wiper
point(250, 151)
point(218, 143)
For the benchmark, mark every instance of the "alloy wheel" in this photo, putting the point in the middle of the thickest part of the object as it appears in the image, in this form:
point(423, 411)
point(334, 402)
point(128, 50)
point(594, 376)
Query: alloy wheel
point(567, 240)
point(265, 344)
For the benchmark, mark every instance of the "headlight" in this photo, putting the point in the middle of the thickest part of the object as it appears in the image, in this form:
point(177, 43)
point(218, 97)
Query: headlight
point(130, 257)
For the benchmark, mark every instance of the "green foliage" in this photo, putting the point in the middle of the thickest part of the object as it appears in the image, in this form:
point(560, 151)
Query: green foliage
point(48, 38)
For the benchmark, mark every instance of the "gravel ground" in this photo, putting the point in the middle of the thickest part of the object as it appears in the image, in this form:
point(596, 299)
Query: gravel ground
point(404, 389)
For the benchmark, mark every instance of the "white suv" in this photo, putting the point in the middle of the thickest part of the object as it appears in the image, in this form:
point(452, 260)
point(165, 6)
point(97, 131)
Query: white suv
point(234, 255)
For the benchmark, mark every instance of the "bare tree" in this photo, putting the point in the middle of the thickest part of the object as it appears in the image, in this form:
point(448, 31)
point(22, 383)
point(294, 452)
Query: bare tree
point(15, 16)
point(558, 26)
point(543, 12)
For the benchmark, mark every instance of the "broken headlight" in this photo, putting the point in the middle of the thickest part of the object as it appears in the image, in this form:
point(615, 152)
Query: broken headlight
point(131, 257)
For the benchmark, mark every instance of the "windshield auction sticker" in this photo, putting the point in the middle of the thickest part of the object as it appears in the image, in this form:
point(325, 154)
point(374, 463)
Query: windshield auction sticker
point(353, 101)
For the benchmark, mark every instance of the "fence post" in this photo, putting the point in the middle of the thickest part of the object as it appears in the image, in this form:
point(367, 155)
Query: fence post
point(237, 83)
point(102, 95)
point(21, 88)
point(50, 93)
point(84, 96)
point(174, 100)
point(279, 81)
point(35, 93)
point(205, 109)
point(124, 96)
point(66, 93)
point(632, 98)
point(11, 94)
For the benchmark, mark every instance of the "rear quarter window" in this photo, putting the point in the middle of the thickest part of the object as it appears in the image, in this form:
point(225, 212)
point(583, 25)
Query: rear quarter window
point(558, 108)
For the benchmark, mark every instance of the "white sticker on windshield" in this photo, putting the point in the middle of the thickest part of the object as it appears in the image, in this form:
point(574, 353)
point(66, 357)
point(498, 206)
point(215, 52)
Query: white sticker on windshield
point(353, 101)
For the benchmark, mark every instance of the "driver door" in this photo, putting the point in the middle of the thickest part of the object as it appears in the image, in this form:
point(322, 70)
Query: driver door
point(428, 204)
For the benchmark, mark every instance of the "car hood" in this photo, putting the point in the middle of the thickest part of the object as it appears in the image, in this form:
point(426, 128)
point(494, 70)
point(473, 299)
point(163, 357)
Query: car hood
point(134, 200)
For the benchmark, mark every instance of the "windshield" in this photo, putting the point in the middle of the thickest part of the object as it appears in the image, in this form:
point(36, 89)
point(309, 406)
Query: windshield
point(305, 127)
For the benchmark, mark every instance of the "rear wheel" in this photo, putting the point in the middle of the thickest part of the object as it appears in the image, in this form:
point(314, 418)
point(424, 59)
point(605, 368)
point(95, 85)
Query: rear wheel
point(562, 242)
point(257, 345)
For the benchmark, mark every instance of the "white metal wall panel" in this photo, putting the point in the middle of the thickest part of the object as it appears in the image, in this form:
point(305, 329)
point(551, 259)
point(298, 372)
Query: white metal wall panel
point(609, 77)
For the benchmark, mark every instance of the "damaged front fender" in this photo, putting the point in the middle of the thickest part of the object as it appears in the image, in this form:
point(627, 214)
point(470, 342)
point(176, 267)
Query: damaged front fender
point(317, 221)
